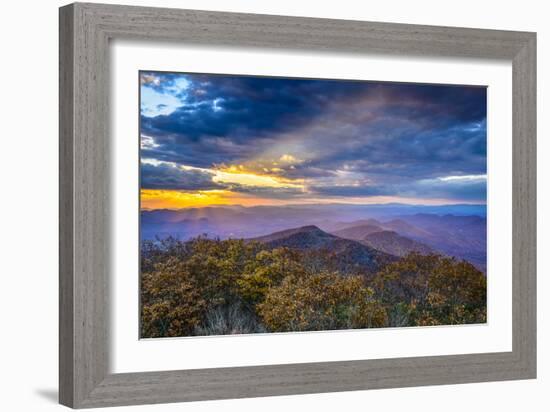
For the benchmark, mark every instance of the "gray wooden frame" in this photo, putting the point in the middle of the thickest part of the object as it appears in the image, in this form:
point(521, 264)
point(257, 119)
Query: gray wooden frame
point(85, 31)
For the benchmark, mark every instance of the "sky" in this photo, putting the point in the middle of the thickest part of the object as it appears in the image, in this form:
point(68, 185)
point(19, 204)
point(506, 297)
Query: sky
point(244, 140)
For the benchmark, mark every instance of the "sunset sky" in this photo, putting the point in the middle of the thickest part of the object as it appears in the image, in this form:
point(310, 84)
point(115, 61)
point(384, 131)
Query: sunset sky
point(241, 140)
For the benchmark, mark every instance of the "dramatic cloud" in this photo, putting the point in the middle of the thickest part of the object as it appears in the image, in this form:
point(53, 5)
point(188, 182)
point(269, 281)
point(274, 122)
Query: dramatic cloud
point(172, 177)
point(293, 138)
point(469, 190)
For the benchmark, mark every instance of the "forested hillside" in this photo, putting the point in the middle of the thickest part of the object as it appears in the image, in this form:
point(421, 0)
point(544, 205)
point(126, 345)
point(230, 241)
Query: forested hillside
point(209, 286)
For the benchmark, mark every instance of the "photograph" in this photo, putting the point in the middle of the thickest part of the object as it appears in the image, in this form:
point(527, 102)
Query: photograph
point(283, 205)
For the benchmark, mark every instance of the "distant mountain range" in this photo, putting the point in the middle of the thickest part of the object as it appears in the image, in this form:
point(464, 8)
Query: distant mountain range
point(391, 242)
point(228, 221)
point(402, 229)
point(358, 230)
point(462, 236)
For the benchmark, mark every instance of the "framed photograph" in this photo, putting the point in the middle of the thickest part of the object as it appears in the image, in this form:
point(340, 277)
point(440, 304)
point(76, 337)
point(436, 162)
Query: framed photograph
point(257, 205)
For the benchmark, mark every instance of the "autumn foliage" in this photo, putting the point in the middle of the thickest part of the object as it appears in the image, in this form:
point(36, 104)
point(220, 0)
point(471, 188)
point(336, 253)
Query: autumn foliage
point(321, 301)
point(209, 286)
point(432, 290)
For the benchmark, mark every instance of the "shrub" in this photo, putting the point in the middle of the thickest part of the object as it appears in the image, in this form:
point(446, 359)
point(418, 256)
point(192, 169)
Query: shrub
point(267, 270)
point(436, 289)
point(171, 304)
point(320, 302)
point(217, 265)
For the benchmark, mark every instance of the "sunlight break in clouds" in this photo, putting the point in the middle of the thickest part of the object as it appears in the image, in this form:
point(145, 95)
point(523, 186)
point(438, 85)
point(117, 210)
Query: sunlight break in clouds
point(234, 174)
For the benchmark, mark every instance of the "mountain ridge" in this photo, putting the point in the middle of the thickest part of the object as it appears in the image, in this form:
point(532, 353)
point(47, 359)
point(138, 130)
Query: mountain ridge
point(348, 253)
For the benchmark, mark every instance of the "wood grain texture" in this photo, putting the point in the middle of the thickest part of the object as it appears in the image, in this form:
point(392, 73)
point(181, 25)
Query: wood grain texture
point(84, 173)
point(85, 31)
point(66, 229)
point(524, 225)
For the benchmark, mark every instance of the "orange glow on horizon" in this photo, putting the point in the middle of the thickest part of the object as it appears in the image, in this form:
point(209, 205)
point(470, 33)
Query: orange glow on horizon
point(174, 199)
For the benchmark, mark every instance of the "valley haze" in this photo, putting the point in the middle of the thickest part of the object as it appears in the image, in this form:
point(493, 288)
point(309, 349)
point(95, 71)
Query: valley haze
point(455, 230)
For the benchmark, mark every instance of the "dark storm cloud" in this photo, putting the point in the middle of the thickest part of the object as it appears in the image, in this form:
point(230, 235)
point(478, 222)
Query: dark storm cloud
point(167, 176)
point(203, 153)
point(395, 134)
point(474, 191)
point(222, 114)
point(409, 152)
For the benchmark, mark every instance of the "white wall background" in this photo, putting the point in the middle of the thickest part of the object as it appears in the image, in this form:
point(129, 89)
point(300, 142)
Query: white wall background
point(28, 205)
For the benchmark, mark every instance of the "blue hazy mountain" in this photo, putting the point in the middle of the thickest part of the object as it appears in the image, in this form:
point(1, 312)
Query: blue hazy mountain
point(247, 222)
point(454, 230)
